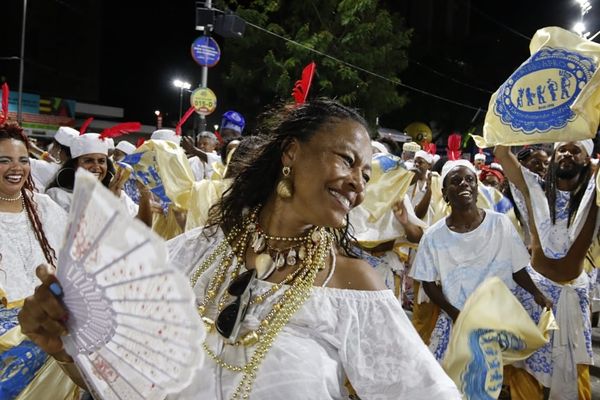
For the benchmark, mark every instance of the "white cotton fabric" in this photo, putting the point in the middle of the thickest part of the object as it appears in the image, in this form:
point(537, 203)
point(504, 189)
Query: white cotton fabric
point(201, 169)
point(42, 173)
point(556, 239)
point(462, 261)
point(21, 252)
point(362, 334)
point(64, 199)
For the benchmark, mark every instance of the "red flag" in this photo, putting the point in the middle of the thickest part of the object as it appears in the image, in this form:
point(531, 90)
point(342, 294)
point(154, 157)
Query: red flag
point(453, 148)
point(301, 88)
point(183, 119)
point(85, 125)
point(5, 92)
point(120, 129)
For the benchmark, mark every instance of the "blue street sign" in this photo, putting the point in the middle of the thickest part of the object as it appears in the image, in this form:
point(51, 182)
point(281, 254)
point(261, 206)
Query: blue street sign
point(205, 51)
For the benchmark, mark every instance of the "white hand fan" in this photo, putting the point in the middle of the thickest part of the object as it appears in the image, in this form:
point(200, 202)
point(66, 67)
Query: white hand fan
point(134, 331)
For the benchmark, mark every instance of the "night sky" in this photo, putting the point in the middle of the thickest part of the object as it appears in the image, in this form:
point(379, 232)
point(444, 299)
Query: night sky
point(144, 45)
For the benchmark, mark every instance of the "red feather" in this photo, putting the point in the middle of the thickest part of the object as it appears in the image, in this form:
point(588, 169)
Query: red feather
point(85, 125)
point(5, 92)
point(140, 142)
point(120, 129)
point(431, 148)
point(453, 149)
point(219, 137)
point(301, 88)
point(183, 119)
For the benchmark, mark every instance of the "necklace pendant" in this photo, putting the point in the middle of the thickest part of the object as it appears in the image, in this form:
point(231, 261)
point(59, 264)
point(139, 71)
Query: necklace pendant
point(279, 260)
point(302, 253)
point(316, 236)
point(251, 227)
point(250, 339)
point(258, 244)
point(291, 258)
point(264, 266)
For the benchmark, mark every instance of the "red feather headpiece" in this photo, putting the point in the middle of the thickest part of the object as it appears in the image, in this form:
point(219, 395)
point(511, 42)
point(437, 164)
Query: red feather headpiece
point(301, 88)
point(453, 149)
point(120, 129)
point(85, 125)
point(5, 92)
point(183, 119)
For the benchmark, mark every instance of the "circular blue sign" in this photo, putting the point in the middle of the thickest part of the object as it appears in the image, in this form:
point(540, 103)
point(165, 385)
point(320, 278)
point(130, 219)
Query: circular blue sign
point(206, 51)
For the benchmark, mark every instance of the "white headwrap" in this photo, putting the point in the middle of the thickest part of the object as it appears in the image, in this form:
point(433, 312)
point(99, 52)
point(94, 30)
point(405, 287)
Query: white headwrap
point(450, 165)
point(587, 144)
point(166, 134)
point(65, 135)
point(425, 156)
point(89, 143)
point(379, 146)
point(125, 147)
point(479, 156)
point(111, 143)
point(411, 146)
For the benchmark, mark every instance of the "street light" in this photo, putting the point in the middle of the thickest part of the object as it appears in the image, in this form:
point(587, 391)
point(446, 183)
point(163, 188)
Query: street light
point(579, 28)
point(181, 85)
point(158, 119)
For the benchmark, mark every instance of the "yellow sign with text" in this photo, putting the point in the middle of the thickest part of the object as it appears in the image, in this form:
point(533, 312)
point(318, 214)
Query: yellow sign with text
point(204, 101)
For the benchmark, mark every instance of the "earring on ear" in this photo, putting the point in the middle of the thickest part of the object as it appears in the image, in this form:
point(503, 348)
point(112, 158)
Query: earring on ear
point(285, 188)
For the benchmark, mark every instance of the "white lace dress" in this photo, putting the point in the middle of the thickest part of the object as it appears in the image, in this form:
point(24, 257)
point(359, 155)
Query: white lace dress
point(364, 335)
point(20, 250)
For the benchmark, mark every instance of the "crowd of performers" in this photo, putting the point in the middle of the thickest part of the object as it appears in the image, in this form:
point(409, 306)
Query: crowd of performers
point(335, 260)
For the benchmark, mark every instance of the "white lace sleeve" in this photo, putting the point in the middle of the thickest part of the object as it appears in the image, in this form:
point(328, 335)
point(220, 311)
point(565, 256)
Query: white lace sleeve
point(383, 355)
point(189, 249)
point(61, 197)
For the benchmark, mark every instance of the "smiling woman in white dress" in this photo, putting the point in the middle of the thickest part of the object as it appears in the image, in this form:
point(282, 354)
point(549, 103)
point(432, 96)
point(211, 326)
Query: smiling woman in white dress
point(291, 311)
point(32, 227)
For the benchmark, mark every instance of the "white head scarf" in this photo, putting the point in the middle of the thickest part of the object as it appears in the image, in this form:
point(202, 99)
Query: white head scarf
point(450, 165)
point(587, 144)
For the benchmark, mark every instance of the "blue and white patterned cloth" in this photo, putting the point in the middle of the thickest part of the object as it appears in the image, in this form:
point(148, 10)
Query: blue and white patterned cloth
point(555, 364)
point(460, 262)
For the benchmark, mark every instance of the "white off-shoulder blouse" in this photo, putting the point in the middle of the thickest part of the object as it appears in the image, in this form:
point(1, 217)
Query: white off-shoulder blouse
point(362, 335)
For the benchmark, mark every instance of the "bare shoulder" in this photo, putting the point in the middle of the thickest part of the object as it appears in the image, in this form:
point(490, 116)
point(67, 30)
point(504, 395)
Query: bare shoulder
point(355, 274)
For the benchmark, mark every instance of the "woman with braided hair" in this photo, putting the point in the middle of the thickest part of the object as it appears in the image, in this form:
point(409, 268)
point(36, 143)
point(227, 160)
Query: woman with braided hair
point(32, 227)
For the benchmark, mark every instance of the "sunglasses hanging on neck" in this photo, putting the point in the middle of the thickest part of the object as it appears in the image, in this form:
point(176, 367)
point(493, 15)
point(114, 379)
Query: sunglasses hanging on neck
point(229, 319)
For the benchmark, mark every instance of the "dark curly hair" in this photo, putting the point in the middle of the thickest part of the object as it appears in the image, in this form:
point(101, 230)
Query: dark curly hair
point(65, 177)
point(259, 170)
point(15, 132)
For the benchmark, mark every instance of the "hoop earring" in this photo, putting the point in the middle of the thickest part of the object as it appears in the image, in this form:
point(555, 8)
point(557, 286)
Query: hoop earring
point(285, 188)
point(67, 174)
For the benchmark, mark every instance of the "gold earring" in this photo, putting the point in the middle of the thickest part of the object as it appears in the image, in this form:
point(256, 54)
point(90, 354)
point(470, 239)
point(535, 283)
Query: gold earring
point(285, 190)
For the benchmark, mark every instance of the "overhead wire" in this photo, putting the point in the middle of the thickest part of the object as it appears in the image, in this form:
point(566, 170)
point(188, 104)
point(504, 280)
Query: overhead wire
point(358, 68)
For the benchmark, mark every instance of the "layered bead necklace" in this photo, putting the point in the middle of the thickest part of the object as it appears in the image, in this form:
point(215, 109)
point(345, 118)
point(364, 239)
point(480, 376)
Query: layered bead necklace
point(315, 246)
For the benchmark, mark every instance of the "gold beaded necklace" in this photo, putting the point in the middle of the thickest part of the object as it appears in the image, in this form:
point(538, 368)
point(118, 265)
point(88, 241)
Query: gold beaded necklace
point(301, 281)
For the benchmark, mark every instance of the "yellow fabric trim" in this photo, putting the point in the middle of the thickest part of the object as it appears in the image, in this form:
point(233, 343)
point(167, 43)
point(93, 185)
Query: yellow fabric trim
point(173, 168)
point(385, 188)
point(493, 306)
point(523, 386)
point(50, 383)
point(11, 339)
point(204, 195)
point(424, 316)
point(166, 226)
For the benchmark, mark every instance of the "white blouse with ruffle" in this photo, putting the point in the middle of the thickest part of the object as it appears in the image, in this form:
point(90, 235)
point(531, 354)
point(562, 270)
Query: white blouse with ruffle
point(337, 333)
point(20, 250)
